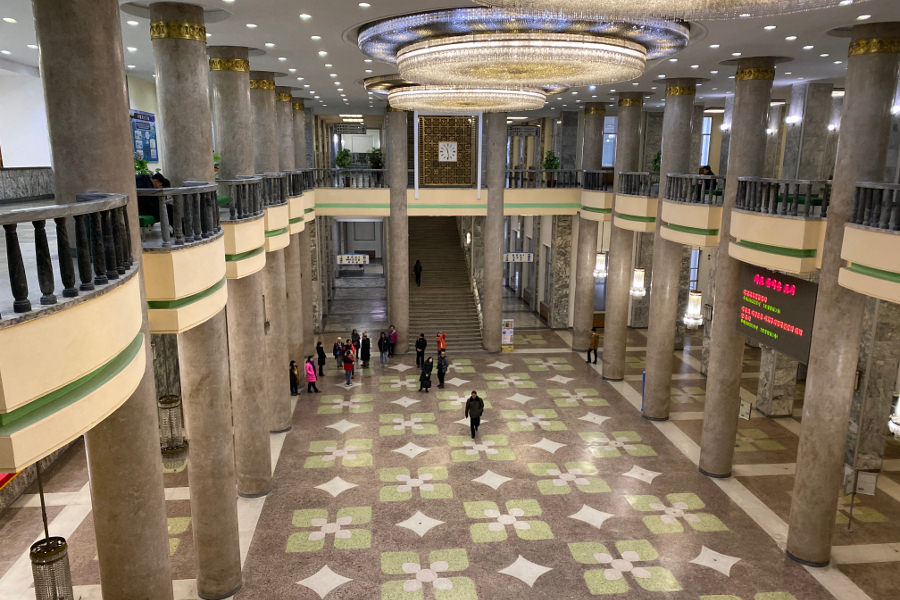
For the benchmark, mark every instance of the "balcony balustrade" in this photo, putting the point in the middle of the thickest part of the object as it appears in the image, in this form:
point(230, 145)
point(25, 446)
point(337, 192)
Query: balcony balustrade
point(242, 205)
point(779, 224)
point(275, 192)
point(597, 195)
point(692, 209)
point(871, 248)
point(636, 201)
point(542, 178)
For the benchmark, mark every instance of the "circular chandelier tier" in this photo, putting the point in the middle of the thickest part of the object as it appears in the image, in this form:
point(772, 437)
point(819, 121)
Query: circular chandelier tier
point(451, 100)
point(681, 9)
point(384, 84)
point(523, 60)
point(383, 40)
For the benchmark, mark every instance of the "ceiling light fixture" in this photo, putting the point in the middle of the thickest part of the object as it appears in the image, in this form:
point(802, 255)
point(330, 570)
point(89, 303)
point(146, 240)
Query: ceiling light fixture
point(790, 38)
point(32, 46)
point(270, 45)
point(323, 53)
point(465, 100)
point(251, 25)
point(315, 38)
point(132, 23)
point(9, 20)
point(714, 46)
point(305, 17)
point(863, 17)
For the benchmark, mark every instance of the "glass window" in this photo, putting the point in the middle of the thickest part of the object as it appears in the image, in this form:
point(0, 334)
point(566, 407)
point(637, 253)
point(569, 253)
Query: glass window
point(704, 142)
point(609, 141)
point(695, 267)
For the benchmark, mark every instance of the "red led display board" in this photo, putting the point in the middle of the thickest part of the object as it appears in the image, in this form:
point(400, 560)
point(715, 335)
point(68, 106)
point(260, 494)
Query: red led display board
point(777, 310)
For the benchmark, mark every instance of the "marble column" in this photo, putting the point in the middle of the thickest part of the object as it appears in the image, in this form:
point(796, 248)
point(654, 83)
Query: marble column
point(90, 135)
point(229, 79)
point(298, 112)
point(583, 317)
point(178, 35)
point(284, 123)
point(398, 227)
point(773, 141)
point(618, 280)
point(753, 86)
point(560, 266)
point(726, 134)
point(203, 356)
point(568, 154)
point(262, 122)
point(871, 77)
point(492, 300)
point(277, 351)
point(296, 327)
point(777, 381)
point(696, 139)
point(806, 139)
point(667, 255)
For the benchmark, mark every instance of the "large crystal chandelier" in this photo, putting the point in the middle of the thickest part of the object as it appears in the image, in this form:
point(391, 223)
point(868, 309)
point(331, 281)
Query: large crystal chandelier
point(686, 9)
point(522, 59)
point(450, 100)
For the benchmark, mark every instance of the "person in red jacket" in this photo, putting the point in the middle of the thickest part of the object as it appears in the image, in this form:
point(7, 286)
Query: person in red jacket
point(348, 366)
point(441, 341)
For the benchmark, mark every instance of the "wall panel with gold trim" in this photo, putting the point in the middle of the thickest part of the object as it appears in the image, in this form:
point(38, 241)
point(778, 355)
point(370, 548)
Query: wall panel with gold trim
point(460, 133)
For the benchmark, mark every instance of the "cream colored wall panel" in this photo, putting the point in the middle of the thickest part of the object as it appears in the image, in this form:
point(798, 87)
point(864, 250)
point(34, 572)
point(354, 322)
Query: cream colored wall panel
point(244, 236)
point(183, 271)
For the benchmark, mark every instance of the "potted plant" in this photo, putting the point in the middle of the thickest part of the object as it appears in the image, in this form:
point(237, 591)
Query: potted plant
point(551, 163)
point(343, 160)
point(376, 162)
point(655, 163)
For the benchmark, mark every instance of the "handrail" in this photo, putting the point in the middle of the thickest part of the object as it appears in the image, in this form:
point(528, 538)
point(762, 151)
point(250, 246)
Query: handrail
point(695, 189)
point(542, 178)
point(598, 181)
point(790, 197)
point(243, 196)
point(637, 183)
point(194, 211)
point(102, 246)
point(275, 188)
point(350, 178)
point(877, 205)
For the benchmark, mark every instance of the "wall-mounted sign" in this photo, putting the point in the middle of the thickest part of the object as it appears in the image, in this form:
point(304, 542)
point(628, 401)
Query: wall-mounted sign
point(348, 128)
point(508, 330)
point(518, 257)
point(353, 259)
point(777, 310)
point(523, 131)
point(143, 131)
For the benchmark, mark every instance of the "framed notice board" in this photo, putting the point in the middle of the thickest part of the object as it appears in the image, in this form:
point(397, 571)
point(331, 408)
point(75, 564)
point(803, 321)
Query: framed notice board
point(777, 310)
point(143, 132)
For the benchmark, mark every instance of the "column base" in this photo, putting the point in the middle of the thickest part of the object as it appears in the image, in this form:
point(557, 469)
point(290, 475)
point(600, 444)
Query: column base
point(655, 419)
point(259, 495)
point(221, 596)
point(714, 475)
point(806, 563)
point(605, 378)
point(285, 430)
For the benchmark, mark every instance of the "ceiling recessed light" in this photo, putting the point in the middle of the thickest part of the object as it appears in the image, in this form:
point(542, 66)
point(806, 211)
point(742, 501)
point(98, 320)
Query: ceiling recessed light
point(824, 55)
point(131, 49)
point(863, 17)
point(788, 73)
point(731, 77)
point(808, 47)
point(368, 60)
point(32, 46)
point(306, 85)
point(251, 25)
point(305, 17)
point(328, 65)
point(365, 5)
point(714, 46)
point(315, 38)
point(323, 53)
point(292, 70)
point(714, 72)
point(332, 74)
point(368, 70)
point(340, 89)
point(132, 23)
point(769, 27)
point(6, 52)
point(282, 58)
point(300, 78)
point(695, 66)
point(735, 53)
point(837, 62)
point(270, 44)
point(791, 38)
point(337, 83)
point(635, 83)
point(9, 20)
point(130, 66)
point(673, 60)
point(208, 35)
point(744, 15)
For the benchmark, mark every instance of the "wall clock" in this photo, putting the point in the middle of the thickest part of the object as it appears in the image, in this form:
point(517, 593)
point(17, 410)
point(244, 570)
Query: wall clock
point(446, 151)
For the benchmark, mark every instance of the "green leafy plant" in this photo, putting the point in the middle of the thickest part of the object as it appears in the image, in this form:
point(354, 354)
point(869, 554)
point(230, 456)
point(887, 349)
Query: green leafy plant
point(655, 163)
point(216, 161)
point(376, 158)
point(141, 165)
point(551, 161)
point(343, 160)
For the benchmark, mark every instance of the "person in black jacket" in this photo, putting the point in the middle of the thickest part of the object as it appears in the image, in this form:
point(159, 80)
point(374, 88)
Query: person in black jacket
point(384, 348)
point(425, 377)
point(320, 352)
point(417, 270)
point(474, 410)
point(421, 344)
point(442, 365)
point(365, 349)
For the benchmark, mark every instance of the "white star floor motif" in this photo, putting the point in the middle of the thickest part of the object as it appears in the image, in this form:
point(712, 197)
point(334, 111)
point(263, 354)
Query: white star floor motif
point(560, 379)
point(499, 365)
point(400, 367)
point(492, 479)
point(405, 402)
point(715, 560)
point(324, 582)
point(420, 524)
point(520, 398)
point(591, 516)
point(465, 421)
point(410, 450)
point(336, 486)
point(548, 445)
point(641, 474)
point(456, 381)
point(353, 384)
point(525, 571)
point(594, 418)
point(343, 426)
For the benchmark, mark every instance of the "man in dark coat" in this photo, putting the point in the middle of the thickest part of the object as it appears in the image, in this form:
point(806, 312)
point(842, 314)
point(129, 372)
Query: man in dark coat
point(474, 410)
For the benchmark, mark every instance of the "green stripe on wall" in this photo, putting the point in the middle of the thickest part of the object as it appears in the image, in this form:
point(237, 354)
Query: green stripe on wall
point(792, 252)
point(182, 302)
point(384, 205)
point(275, 232)
point(575, 205)
point(876, 273)
point(602, 211)
point(308, 210)
point(296, 220)
point(41, 408)
point(636, 218)
point(692, 230)
point(244, 255)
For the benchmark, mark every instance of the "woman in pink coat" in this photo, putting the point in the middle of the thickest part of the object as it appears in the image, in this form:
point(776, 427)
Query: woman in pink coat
point(311, 376)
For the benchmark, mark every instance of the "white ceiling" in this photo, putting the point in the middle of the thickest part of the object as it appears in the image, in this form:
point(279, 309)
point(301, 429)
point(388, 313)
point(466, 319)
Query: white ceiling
point(336, 21)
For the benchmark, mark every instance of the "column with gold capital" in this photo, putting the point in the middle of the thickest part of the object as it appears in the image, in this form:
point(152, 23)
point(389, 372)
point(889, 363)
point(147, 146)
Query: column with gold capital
point(298, 110)
point(262, 121)
point(284, 123)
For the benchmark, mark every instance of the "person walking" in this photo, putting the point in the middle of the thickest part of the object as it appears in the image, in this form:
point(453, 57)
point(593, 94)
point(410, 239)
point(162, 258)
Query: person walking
point(421, 344)
point(417, 269)
point(365, 349)
point(384, 348)
point(320, 352)
point(595, 343)
point(425, 377)
point(355, 356)
point(441, 341)
point(295, 379)
point(311, 377)
point(338, 352)
point(442, 365)
point(392, 339)
point(474, 410)
point(348, 366)
point(354, 339)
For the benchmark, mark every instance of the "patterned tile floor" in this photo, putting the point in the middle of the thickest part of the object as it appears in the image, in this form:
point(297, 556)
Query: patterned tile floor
point(566, 493)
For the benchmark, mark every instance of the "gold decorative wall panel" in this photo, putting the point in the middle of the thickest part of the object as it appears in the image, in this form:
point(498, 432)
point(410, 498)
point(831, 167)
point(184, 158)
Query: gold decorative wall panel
point(432, 131)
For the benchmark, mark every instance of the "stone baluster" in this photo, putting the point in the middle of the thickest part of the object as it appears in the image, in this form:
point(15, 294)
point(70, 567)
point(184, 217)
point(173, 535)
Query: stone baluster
point(17, 280)
point(44, 263)
point(100, 275)
point(83, 251)
point(66, 267)
point(109, 245)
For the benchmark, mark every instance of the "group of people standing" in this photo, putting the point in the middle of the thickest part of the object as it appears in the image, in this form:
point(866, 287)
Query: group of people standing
point(427, 365)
